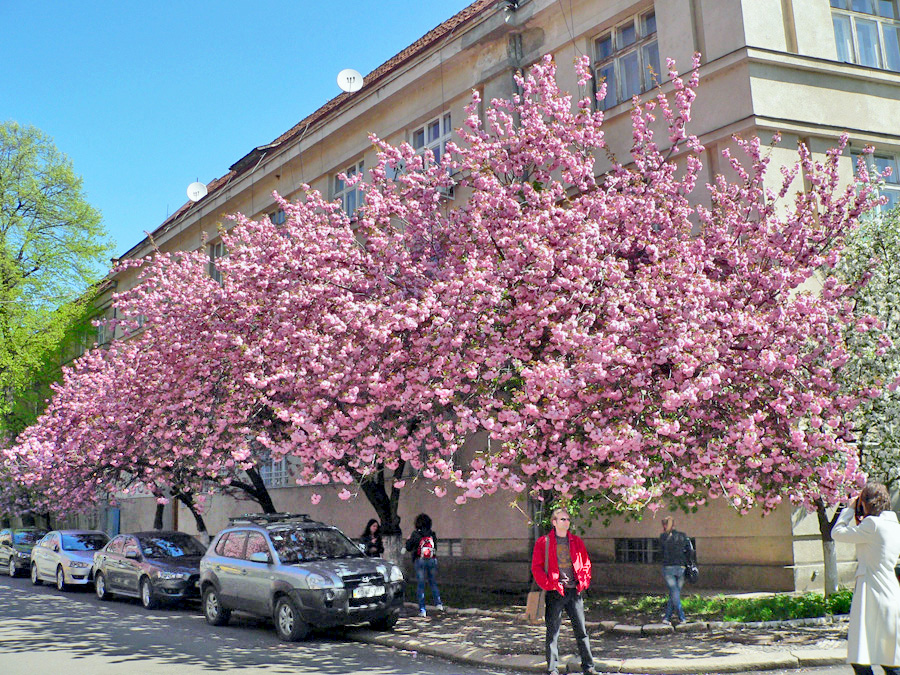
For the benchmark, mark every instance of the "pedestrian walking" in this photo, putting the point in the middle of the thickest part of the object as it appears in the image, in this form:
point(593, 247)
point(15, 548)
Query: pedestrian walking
point(874, 633)
point(423, 545)
point(371, 539)
point(561, 566)
point(677, 552)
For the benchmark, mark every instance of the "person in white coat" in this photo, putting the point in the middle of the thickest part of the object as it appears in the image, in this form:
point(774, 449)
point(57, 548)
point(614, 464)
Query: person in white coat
point(874, 634)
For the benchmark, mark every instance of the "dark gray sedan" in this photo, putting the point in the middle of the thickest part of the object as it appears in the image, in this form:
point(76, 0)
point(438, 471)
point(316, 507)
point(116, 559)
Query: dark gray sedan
point(157, 566)
point(15, 548)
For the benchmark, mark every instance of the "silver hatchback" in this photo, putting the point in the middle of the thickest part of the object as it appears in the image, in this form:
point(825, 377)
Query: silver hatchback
point(65, 557)
point(301, 573)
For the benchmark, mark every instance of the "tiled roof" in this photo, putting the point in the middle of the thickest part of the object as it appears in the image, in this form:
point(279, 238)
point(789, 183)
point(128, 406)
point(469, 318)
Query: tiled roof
point(422, 44)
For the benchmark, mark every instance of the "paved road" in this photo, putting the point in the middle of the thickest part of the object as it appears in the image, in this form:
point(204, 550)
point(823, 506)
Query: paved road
point(45, 632)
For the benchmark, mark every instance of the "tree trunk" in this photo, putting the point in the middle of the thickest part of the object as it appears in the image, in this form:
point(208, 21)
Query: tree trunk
point(257, 491)
point(386, 506)
point(188, 501)
point(829, 554)
point(158, 518)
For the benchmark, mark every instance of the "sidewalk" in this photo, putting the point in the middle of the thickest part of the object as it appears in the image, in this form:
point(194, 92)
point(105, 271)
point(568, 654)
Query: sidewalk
point(503, 640)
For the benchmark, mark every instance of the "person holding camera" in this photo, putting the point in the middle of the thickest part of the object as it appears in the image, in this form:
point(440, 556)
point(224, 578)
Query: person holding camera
point(874, 633)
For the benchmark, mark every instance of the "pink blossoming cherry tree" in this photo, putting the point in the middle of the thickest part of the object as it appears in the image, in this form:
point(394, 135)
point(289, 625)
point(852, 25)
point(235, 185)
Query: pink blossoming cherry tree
point(628, 333)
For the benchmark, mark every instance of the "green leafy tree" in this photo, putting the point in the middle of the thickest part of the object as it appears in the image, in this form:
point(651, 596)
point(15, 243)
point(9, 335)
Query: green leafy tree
point(874, 251)
point(872, 255)
point(53, 247)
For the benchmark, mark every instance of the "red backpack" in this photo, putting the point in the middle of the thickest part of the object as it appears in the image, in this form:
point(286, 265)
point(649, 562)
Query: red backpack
point(426, 547)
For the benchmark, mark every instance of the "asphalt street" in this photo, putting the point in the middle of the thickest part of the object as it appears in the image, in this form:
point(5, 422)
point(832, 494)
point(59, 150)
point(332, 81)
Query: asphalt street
point(43, 631)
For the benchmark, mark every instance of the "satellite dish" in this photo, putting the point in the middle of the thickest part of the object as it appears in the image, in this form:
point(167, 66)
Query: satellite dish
point(349, 80)
point(196, 191)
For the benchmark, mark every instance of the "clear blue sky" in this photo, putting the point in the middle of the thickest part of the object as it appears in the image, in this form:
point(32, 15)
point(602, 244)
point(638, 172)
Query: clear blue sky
point(147, 97)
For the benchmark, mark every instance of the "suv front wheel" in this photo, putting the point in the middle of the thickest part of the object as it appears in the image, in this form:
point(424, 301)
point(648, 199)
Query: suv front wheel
point(288, 624)
point(216, 615)
point(387, 622)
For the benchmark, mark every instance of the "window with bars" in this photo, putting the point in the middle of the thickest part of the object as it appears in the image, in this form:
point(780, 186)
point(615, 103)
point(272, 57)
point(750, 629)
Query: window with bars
point(867, 32)
point(274, 473)
point(216, 251)
point(637, 550)
point(350, 195)
point(433, 135)
point(626, 58)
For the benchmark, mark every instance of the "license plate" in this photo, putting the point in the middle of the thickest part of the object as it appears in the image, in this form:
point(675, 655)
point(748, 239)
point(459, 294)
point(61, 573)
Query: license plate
point(368, 591)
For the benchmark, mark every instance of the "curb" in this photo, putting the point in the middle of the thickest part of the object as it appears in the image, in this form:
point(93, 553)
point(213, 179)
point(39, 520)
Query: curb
point(530, 663)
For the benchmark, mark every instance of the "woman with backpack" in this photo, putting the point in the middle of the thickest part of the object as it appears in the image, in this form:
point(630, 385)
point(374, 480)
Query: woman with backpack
point(423, 545)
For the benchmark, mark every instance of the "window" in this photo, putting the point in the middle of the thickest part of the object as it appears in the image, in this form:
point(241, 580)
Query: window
point(115, 546)
point(627, 59)
point(274, 473)
point(278, 217)
point(637, 550)
point(891, 186)
point(216, 251)
point(256, 543)
point(867, 32)
point(433, 135)
point(232, 545)
point(350, 195)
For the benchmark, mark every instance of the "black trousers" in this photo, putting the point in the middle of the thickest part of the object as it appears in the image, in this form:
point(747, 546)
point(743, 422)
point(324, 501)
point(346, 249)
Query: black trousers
point(860, 669)
point(573, 605)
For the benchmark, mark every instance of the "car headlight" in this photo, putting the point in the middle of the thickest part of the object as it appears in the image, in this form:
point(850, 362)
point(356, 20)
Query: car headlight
point(317, 581)
point(77, 565)
point(396, 574)
point(173, 575)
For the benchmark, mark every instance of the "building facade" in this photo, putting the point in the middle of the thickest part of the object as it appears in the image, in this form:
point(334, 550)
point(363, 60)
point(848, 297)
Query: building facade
point(807, 69)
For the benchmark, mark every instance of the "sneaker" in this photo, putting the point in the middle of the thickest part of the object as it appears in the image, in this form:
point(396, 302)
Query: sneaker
point(439, 607)
point(667, 622)
point(421, 612)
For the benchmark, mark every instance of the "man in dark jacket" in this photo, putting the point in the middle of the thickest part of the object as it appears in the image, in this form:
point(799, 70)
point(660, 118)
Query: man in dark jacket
point(423, 545)
point(566, 574)
point(676, 551)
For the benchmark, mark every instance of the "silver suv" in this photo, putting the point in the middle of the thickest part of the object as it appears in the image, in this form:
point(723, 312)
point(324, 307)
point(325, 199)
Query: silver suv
point(301, 573)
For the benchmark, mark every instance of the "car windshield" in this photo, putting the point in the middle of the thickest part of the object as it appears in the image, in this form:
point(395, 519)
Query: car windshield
point(170, 546)
point(87, 541)
point(295, 544)
point(27, 537)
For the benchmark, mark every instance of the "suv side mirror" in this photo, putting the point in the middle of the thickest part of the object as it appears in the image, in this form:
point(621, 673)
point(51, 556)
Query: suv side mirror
point(260, 557)
point(131, 554)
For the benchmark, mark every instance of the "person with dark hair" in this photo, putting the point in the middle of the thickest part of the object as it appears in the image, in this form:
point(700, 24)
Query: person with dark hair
point(371, 539)
point(423, 545)
point(561, 566)
point(874, 633)
point(676, 551)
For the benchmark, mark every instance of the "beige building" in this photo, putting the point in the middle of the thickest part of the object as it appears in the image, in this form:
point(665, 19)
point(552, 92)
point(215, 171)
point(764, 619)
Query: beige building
point(809, 69)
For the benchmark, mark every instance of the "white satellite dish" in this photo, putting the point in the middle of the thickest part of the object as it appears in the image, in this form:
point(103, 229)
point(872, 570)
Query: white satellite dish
point(349, 80)
point(196, 191)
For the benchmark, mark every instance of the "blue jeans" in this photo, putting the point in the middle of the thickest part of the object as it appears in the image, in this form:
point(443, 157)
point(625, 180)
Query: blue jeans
point(425, 570)
point(674, 576)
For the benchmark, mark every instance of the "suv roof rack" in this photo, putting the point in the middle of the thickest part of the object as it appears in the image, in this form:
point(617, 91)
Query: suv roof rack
point(265, 518)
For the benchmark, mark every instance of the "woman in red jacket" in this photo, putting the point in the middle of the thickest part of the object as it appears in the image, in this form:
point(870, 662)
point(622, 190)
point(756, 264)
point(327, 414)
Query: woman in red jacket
point(565, 575)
